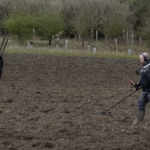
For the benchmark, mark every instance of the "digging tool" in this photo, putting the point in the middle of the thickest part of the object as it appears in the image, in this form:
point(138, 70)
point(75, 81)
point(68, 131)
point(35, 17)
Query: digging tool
point(3, 47)
point(106, 113)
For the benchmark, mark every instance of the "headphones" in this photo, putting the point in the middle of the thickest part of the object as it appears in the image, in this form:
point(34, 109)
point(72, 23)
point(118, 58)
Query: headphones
point(145, 58)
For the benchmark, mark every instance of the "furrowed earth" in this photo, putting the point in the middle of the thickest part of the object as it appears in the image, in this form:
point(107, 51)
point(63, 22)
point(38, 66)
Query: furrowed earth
point(51, 102)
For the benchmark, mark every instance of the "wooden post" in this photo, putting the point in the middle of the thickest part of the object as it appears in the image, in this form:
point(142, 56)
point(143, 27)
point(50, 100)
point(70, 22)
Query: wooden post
point(56, 46)
point(127, 37)
point(92, 35)
point(116, 44)
point(53, 37)
point(66, 45)
point(57, 41)
point(33, 34)
point(79, 40)
point(132, 39)
point(94, 50)
point(129, 52)
point(28, 45)
point(106, 40)
point(124, 34)
point(140, 41)
point(96, 35)
point(88, 48)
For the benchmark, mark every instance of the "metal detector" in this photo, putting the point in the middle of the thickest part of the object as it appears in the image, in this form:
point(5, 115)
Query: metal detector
point(3, 47)
point(106, 113)
point(1, 53)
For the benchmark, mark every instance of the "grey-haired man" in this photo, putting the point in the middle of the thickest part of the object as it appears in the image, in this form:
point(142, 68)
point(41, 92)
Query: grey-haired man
point(145, 85)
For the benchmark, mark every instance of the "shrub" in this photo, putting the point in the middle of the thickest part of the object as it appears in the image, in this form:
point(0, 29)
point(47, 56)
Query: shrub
point(48, 24)
point(20, 25)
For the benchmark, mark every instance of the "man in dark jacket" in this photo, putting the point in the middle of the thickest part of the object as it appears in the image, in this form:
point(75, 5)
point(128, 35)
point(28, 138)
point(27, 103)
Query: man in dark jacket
point(145, 85)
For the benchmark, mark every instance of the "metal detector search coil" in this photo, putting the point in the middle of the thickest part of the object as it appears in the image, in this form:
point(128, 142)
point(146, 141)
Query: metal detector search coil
point(106, 113)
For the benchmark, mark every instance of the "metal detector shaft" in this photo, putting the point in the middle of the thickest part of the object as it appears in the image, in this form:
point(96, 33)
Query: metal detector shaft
point(4, 47)
point(2, 43)
point(103, 113)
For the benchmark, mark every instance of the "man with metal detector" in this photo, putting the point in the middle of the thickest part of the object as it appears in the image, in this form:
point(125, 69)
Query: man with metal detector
point(145, 85)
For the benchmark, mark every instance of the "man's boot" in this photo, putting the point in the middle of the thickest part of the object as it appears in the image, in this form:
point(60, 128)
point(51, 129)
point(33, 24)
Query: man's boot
point(140, 117)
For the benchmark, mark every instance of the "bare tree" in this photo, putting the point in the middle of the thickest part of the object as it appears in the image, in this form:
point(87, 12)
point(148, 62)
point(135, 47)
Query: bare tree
point(146, 29)
point(5, 11)
point(33, 7)
point(115, 18)
point(76, 14)
point(97, 9)
point(82, 15)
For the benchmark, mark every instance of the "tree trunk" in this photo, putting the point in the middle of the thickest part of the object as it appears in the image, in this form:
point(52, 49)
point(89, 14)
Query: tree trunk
point(50, 40)
point(83, 42)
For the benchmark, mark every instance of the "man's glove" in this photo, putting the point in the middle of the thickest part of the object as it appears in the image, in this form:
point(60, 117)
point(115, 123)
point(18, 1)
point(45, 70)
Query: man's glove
point(137, 85)
point(138, 71)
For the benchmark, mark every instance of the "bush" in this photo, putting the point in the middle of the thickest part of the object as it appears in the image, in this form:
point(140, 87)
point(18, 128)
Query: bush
point(115, 19)
point(113, 27)
point(20, 25)
point(140, 10)
point(48, 24)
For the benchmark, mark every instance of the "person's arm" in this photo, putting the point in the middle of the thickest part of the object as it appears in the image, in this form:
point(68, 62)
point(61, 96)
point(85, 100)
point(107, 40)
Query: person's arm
point(147, 75)
point(138, 71)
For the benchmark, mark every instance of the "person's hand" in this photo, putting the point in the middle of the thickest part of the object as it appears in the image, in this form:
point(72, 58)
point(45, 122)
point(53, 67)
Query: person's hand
point(137, 85)
point(141, 71)
point(138, 71)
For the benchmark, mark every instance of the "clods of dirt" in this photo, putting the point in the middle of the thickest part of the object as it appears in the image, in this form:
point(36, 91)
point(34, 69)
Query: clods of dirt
point(51, 102)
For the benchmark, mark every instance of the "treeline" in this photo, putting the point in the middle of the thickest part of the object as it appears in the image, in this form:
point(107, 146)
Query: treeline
point(83, 18)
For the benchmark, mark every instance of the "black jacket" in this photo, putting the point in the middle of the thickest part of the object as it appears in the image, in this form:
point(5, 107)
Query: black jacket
point(1, 62)
point(145, 78)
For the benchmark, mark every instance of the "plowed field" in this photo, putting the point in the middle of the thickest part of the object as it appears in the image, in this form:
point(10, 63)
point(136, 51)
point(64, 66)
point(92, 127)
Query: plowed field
point(50, 102)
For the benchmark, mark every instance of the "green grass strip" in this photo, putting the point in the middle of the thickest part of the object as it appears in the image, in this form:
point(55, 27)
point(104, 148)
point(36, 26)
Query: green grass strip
point(72, 53)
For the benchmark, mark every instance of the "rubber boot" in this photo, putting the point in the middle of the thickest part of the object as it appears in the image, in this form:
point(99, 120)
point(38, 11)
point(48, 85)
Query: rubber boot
point(140, 117)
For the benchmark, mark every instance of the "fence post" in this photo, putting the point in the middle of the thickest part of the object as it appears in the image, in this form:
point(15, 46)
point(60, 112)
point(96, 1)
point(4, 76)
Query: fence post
point(127, 36)
point(33, 34)
point(116, 45)
point(132, 39)
point(94, 50)
point(28, 45)
point(79, 40)
point(129, 52)
point(92, 35)
point(56, 46)
point(96, 35)
point(66, 44)
point(124, 34)
point(106, 40)
point(88, 48)
point(140, 41)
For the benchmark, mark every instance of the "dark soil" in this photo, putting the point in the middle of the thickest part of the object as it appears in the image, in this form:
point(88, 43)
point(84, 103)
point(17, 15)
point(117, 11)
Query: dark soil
point(50, 102)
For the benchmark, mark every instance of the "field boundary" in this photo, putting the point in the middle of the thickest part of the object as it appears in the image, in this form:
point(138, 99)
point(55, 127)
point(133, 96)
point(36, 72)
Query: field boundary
point(73, 53)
